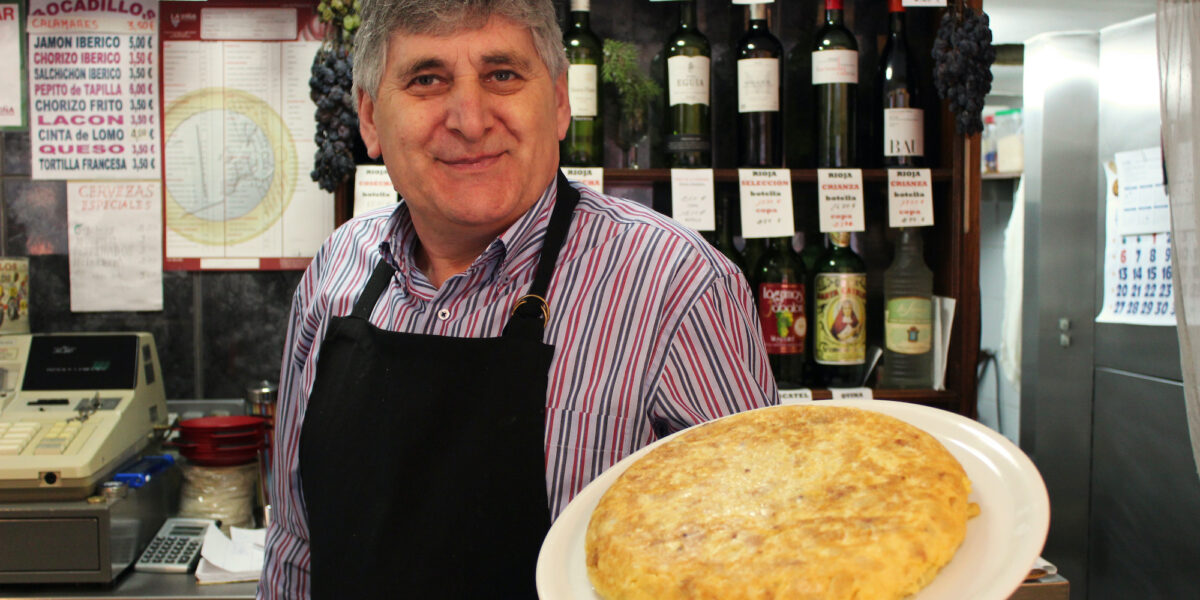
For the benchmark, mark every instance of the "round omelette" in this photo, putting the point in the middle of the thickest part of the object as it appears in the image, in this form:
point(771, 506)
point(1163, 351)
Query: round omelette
point(798, 502)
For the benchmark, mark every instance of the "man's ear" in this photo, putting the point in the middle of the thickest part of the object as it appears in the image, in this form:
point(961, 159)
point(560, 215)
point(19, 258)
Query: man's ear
point(366, 124)
point(563, 105)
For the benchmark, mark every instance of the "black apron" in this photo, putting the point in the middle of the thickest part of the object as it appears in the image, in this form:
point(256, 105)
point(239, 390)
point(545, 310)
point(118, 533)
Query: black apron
point(422, 457)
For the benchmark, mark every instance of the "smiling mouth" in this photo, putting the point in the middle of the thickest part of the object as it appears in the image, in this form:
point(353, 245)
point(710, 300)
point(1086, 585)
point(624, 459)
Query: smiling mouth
point(479, 161)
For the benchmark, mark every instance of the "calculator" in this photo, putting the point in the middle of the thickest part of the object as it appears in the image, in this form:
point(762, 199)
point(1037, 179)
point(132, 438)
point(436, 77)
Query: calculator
point(176, 546)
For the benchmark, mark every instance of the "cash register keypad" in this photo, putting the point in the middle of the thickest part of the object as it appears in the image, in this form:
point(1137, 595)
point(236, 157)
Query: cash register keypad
point(15, 436)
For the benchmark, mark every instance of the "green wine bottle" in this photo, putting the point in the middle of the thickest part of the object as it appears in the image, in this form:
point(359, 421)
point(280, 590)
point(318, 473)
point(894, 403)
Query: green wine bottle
point(903, 120)
point(780, 294)
point(908, 316)
point(760, 128)
point(687, 127)
point(840, 316)
point(835, 81)
point(583, 145)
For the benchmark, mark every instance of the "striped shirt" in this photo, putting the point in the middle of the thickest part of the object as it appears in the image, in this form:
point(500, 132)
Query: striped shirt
point(653, 329)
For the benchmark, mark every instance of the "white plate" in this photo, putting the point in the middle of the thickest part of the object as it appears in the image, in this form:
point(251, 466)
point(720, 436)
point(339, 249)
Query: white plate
point(1002, 543)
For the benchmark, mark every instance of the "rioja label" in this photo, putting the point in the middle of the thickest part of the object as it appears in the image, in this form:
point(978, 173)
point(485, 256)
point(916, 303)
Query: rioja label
point(834, 66)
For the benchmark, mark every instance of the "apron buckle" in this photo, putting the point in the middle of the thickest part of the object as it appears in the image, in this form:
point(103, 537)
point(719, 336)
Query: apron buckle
point(541, 304)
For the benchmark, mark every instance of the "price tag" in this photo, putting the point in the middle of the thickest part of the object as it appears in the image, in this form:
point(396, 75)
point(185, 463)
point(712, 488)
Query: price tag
point(840, 200)
point(797, 396)
point(372, 188)
point(910, 198)
point(859, 393)
point(766, 196)
point(693, 198)
point(923, 3)
point(592, 177)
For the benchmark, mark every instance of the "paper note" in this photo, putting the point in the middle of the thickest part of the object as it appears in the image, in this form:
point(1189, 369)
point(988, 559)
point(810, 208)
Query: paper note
point(1143, 197)
point(910, 198)
point(372, 189)
point(766, 206)
point(795, 396)
point(592, 177)
point(693, 198)
point(114, 233)
point(840, 199)
point(1139, 282)
point(11, 111)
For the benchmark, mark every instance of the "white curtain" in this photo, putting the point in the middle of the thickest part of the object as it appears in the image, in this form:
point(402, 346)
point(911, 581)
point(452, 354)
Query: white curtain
point(1178, 58)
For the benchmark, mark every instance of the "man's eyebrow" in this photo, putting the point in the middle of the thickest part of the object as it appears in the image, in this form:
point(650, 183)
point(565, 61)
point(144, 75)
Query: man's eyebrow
point(507, 59)
point(424, 64)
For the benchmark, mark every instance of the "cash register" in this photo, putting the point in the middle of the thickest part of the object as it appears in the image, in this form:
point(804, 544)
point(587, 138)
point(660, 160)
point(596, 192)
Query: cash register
point(74, 409)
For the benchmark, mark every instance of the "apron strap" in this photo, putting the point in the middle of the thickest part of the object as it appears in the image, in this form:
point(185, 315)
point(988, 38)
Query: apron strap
point(531, 312)
point(380, 278)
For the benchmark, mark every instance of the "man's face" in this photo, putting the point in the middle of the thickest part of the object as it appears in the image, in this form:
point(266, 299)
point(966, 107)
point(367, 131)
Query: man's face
point(468, 125)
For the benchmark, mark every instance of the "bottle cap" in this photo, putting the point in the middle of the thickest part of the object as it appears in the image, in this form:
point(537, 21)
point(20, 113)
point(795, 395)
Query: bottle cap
point(757, 11)
point(833, 4)
point(895, 6)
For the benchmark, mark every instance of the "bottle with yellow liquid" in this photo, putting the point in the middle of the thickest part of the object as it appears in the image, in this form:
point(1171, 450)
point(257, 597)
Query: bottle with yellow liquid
point(840, 314)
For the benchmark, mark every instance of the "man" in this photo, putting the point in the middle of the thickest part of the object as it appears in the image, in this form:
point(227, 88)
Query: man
point(459, 367)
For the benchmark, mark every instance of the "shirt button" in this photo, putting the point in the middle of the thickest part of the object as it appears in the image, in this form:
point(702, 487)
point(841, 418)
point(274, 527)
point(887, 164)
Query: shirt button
point(443, 314)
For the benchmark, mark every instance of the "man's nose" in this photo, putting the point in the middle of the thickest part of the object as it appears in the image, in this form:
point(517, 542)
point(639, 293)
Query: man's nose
point(469, 112)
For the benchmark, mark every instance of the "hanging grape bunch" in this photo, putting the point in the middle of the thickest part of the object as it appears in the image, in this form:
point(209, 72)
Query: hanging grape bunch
point(963, 54)
point(330, 87)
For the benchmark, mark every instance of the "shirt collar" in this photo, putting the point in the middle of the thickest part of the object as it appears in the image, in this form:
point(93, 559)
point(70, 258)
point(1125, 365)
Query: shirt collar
point(503, 260)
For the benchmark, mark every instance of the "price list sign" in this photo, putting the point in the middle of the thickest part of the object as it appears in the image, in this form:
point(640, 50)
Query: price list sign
point(93, 89)
point(840, 197)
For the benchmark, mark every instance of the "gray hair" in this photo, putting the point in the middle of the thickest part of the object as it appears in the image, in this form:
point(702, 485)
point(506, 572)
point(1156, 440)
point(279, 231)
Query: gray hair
point(380, 18)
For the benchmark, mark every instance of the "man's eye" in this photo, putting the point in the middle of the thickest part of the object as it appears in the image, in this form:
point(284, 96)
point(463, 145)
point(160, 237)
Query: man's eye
point(503, 76)
point(424, 80)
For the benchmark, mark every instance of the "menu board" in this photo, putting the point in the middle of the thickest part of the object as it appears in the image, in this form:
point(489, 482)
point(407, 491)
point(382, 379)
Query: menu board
point(92, 86)
point(238, 134)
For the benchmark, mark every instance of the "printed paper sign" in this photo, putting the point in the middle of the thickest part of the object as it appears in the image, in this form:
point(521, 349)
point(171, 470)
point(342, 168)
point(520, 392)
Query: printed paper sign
point(115, 245)
point(840, 200)
point(766, 196)
point(93, 87)
point(11, 112)
point(910, 198)
point(1138, 274)
point(796, 396)
point(1143, 197)
point(372, 189)
point(859, 393)
point(592, 177)
point(693, 198)
point(923, 3)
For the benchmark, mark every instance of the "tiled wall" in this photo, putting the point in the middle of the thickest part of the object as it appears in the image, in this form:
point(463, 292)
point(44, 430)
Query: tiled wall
point(218, 332)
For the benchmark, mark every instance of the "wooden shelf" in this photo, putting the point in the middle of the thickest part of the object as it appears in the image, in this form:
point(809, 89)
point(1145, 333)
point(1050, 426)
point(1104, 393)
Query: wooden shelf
point(1006, 175)
point(644, 176)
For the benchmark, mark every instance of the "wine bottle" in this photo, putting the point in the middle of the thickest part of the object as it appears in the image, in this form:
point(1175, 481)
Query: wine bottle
point(753, 252)
point(840, 318)
point(908, 316)
point(780, 294)
point(903, 119)
point(722, 238)
point(835, 81)
point(583, 145)
point(760, 127)
point(688, 137)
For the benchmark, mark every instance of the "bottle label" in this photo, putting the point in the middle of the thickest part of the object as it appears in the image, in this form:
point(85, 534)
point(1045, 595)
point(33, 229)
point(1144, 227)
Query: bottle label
point(758, 85)
point(834, 66)
point(781, 311)
point(687, 80)
point(841, 321)
point(582, 90)
point(903, 132)
point(687, 142)
point(908, 325)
